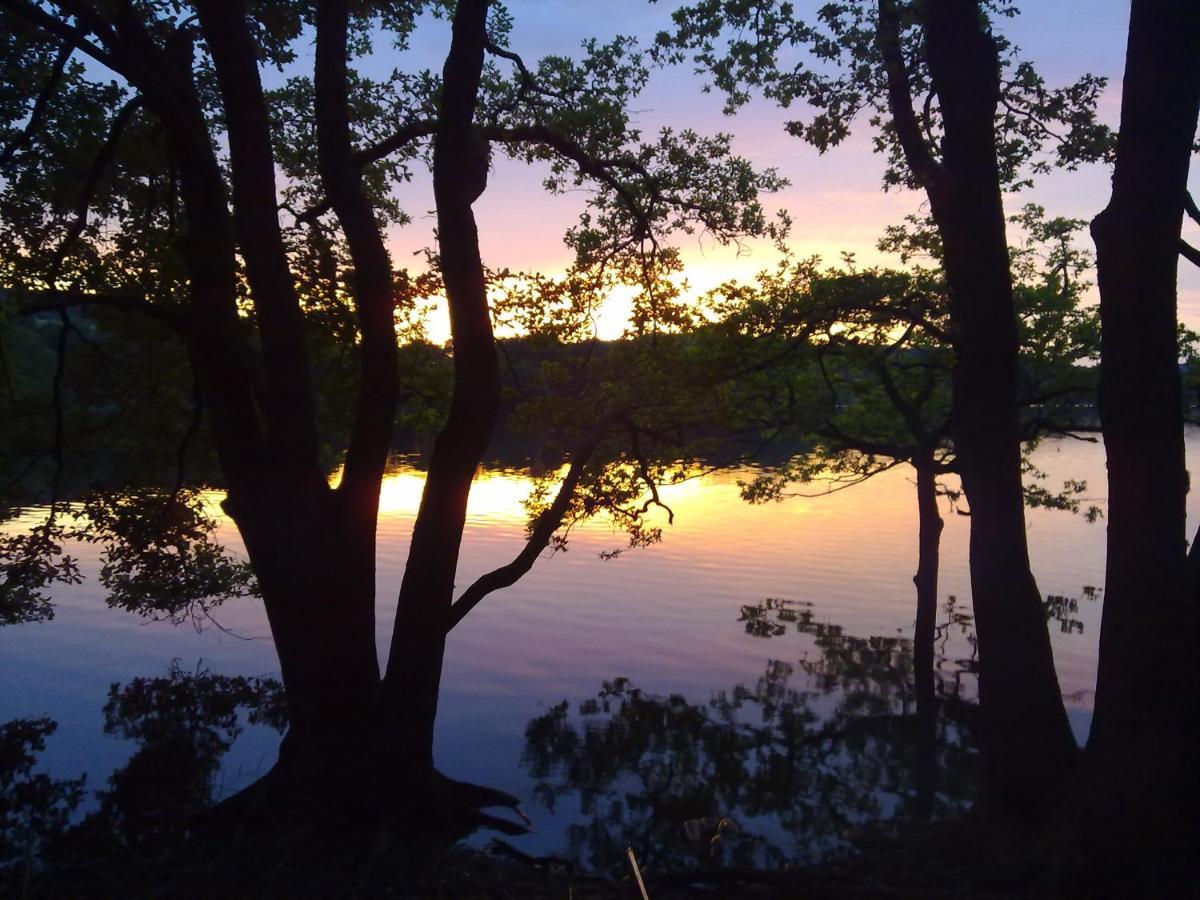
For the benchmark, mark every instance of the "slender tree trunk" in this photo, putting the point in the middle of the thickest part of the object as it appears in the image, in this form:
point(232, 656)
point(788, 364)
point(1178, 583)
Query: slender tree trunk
point(348, 749)
point(288, 396)
point(1142, 742)
point(926, 580)
point(410, 688)
point(1026, 739)
point(313, 559)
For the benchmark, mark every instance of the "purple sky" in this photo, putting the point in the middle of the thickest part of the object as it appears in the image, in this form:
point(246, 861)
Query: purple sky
point(835, 200)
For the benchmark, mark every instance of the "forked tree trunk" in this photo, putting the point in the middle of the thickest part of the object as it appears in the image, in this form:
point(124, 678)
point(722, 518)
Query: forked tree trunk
point(355, 744)
point(319, 594)
point(1143, 737)
point(926, 580)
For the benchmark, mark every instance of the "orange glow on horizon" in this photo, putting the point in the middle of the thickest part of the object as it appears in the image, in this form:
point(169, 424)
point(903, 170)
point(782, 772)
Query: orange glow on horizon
point(499, 496)
point(705, 268)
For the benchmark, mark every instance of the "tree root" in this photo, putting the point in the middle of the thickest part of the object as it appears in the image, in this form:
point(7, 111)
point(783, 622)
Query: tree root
point(283, 807)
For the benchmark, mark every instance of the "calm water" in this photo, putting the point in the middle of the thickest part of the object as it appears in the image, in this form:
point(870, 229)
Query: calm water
point(666, 618)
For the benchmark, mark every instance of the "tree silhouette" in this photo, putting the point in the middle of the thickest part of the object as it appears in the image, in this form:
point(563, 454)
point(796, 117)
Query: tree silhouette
point(242, 259)
point(960, 117)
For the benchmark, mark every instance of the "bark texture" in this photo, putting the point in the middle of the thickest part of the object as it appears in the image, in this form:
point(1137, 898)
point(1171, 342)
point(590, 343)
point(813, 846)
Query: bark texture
point(1144, 731)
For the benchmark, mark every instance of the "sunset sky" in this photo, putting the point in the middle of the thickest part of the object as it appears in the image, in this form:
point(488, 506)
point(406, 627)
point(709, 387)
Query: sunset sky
point(835, 200)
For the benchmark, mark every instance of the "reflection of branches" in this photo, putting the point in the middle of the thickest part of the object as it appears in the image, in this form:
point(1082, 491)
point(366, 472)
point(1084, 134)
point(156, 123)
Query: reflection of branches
point(791, 766)
point(161, 559)
point(34, 808)
point(30, 563)
point(184, 723)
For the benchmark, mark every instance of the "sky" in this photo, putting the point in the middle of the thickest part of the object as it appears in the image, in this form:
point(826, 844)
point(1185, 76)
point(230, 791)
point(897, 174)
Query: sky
point(835, 200)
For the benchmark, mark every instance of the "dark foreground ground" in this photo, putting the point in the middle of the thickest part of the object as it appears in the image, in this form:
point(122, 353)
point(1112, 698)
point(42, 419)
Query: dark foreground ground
point(963, 858)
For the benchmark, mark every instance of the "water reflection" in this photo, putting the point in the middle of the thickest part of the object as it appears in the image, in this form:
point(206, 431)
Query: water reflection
point(34, 808)
point(829, 747)
point(183, 724)
point(666, 616)
point(816, 754)
point(159, 556)
point(826, 748)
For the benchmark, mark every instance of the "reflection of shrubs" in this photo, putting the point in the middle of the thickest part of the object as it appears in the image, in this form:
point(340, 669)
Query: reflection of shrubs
point(793, 767)
point(184, 724)
point(33, 806)
point(1062, 609)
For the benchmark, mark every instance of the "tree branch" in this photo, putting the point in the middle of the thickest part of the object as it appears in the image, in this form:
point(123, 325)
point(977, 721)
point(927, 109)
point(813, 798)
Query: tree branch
point(644, 471)
point(598, 168)
point(528, 82)
point(917, 153)
point(49, 24)
point(1189, 206)
point(378, 395)
point(289, 406)
point(1188, 252)
point(402, 137)
point(898, 452)
point(915, 426)
point(539, 536)
point(56, 395)
point(88, 190)
point(31, 303)
point(39, 105)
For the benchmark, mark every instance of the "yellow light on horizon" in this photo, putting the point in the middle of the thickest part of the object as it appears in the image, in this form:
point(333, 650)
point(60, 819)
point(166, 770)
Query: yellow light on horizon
point(494, 495)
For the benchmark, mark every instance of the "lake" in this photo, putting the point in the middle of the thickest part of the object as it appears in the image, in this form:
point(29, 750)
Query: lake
point(670, 619)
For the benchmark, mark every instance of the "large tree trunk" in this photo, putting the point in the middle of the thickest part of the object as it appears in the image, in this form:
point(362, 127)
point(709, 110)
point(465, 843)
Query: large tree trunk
point(318, 590)
point(410, 688)
point(1026, 738)
point(926, 580)
point(314, 560)
point(1144, 730)
point(312, 547)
